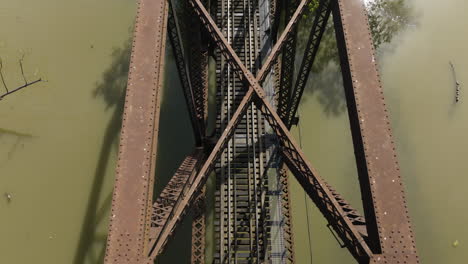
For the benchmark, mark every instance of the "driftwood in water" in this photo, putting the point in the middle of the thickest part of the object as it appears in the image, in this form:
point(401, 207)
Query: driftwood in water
point(457, 83)
point(26, 83)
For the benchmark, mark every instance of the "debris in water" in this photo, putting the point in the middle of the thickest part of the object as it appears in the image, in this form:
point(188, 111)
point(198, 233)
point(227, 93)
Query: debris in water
point(91, 46)
point(8, 197)
point(457, 83)
point(455, 243)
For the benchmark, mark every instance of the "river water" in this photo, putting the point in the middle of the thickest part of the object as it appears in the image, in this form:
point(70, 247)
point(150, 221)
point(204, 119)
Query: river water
point(58, 138)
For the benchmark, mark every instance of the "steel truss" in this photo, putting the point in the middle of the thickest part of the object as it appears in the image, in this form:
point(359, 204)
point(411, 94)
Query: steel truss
point(385, 236)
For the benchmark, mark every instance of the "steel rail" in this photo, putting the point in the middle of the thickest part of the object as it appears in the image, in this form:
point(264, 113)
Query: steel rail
point(196, 118)
point(313, 43)
point(133, 188)
point(313, 183)
point(195, 187)
point(385, 208)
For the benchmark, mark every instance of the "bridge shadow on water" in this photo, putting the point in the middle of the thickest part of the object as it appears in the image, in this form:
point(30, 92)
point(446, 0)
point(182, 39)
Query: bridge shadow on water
point(174, 144)
point(111, 89)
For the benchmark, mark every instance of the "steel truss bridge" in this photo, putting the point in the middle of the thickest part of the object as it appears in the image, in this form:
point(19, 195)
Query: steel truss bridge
point(258, 91)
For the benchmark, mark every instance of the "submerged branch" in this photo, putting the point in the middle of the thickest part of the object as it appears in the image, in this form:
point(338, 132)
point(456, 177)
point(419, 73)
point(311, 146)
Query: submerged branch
point(21, 67)
point(457, 83)
point(19, 88)
point(1, 75)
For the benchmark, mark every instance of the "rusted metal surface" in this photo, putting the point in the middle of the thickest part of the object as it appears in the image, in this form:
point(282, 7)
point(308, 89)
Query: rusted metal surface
point(385, 236)
point(133, 190)
point(287, 62)
point(199, 229)
point(228, 52)
point(315, 186)
point(197, 117)
point(385, 208)
point(286, 210)
point(171, 193)
point(318, 28)
point(193, 189)
point(198, 58)
point(294, 157)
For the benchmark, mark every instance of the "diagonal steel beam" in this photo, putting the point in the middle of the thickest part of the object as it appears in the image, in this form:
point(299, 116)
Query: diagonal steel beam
point(193, 189)
point(196, 119)
point(382, 191)
point(164, 205)
point(315, 186)
point(287, 63)
point(265, 69)
point(315, 37)
point(309, 178)
point(231, 56)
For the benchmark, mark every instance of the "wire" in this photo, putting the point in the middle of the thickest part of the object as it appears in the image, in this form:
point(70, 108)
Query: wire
point(305, 196)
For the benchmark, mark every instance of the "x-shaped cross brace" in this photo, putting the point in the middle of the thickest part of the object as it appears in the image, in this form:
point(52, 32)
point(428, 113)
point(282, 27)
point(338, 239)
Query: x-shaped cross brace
point(307, 176)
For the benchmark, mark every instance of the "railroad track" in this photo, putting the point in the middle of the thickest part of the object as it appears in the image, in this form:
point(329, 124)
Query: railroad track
point(242, 208)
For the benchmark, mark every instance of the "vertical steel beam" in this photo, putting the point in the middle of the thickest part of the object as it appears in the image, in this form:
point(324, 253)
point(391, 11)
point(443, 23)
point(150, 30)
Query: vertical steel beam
point(133, 189)
point(385, 207)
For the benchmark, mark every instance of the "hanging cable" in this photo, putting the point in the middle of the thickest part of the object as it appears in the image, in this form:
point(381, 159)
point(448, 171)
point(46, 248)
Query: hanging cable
point(305, 195)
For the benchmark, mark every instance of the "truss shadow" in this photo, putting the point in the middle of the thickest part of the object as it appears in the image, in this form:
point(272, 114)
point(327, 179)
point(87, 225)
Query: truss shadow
point(111, 89)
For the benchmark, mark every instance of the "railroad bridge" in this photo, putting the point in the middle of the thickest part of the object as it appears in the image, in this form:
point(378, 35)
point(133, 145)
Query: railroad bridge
point(258, 91)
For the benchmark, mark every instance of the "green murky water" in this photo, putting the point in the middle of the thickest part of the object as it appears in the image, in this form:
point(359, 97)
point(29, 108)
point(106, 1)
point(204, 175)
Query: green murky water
point(58, 138)
point(60, 173)
point(430, 131)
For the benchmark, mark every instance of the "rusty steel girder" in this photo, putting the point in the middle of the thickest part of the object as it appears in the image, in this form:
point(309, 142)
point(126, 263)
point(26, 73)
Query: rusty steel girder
point(311, 182)
point(198, 63)
point(286, 211)
point(318, 28)
point(197, 115)
point(384, 237)
point(287, 63)
point(316, 187)
point(193, 189)
point(231, 57)
point(295, 159)
point(164, 205)
point(199, 229)
point(384, 201)
point(134, 181)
